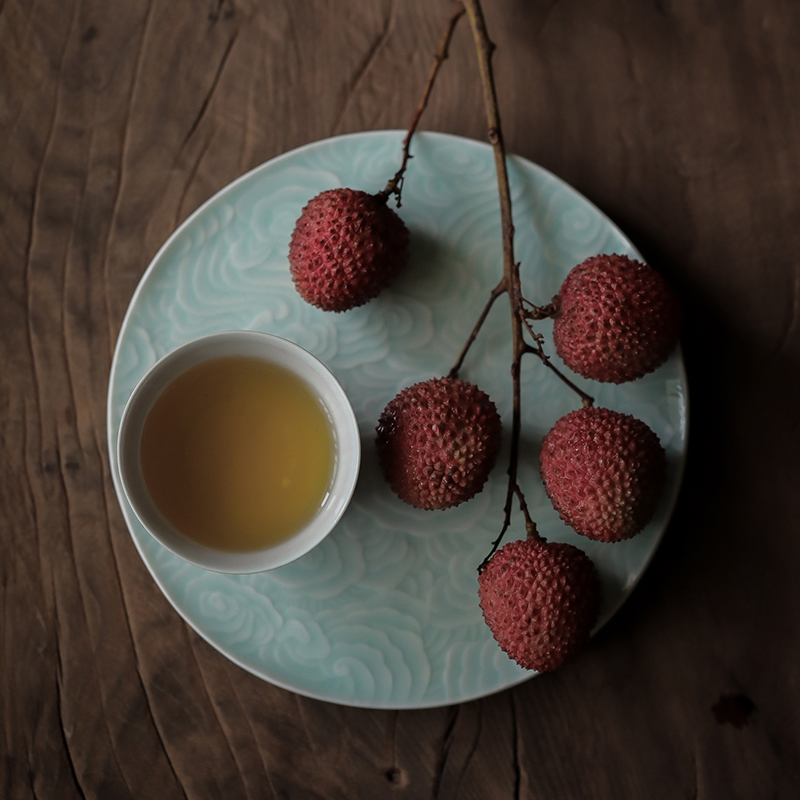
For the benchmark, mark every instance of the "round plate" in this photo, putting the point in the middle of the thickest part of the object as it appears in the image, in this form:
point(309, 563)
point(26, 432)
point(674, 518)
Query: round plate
point(384, 613)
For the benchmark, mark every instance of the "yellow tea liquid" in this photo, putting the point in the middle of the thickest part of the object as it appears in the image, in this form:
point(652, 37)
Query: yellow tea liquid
point(237, 454)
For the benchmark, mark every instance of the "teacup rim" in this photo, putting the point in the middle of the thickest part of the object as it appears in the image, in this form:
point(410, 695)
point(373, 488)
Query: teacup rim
point(343, 483)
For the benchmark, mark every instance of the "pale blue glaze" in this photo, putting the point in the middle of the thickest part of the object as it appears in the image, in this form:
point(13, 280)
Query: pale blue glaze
point(385, 612)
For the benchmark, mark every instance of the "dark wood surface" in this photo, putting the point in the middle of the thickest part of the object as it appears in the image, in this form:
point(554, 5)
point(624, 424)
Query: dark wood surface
point(679, 119)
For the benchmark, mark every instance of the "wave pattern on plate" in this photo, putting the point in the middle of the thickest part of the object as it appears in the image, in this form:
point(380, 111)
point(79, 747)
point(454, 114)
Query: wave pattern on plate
point(384, 613)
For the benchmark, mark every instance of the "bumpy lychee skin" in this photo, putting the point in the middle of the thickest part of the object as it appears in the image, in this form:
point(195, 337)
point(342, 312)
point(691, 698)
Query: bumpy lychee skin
point(540, 599)
point(346, 248)
point(437, 442)
point(618, 319)
point(604, 472)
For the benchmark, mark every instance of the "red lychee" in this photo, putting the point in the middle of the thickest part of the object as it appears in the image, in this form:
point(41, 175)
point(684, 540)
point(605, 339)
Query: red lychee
point(347, 247)
point(437, 442)
point(541, 600)
point(604, 472)
point(617, 319)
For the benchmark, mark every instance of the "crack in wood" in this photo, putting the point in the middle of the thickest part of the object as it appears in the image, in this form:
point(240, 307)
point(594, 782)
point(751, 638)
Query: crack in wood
point(216, 715)
point(79, 585)
point(159, 734)
point(471, 753)
point(31, 773)
point(190, 179)
point(243, 712)
point(126, 615)
point(240, 168)
point(306, 730)
point(515, 745)
point(220, 12)
point(393, 741)
point(31, 495)
point(366, 63)
point(59, 710)
point(212, 89)
point(121, 165)
point(447, 742)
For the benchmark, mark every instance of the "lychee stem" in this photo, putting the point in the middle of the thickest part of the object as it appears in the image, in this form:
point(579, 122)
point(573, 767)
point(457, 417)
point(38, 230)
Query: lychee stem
point(485, 47)
point(511, 280)
point(496, 292)
point(530, 528)
point(540, 312)
point(538, 349)
point(530, 525)
point(395, 185)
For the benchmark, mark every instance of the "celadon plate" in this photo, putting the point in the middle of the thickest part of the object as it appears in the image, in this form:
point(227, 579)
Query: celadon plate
point(384, 613)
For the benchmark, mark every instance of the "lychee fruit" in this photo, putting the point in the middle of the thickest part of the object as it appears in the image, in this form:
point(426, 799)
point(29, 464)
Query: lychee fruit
point(346, 248)
point(541, 600)
point(437, 442)
point(604, 472)
point(617, 319)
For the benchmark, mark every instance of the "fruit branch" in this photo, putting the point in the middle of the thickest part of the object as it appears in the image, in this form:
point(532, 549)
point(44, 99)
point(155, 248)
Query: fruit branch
point(538, 349)
point(540, 312)
point(530, 525)
point(496, 292)
point(520, 314)
point(438, 440)
point(485, 47)
point(510, 283)
point(395, 184)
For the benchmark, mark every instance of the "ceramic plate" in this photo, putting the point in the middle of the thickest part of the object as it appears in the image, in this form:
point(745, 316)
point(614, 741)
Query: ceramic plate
point(384, 614)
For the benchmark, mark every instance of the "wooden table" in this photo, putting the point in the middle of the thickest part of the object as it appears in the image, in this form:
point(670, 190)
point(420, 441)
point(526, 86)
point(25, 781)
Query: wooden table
point(680, 120)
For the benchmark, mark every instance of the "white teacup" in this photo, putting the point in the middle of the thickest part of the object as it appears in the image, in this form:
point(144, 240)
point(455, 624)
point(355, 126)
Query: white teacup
point(274, 350)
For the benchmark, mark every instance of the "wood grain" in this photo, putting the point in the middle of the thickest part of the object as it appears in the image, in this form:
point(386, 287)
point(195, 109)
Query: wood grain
point(679, 119)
